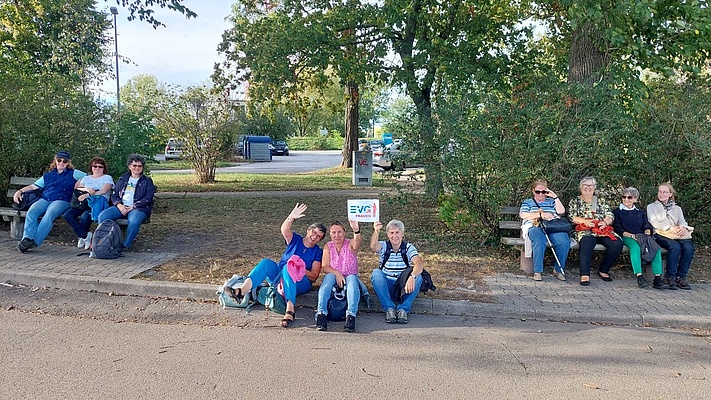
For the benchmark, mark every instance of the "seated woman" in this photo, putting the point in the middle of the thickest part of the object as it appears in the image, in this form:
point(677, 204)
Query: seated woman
point(544, 205)
point(340, 264)
point(388, 279)
point(631, 223)
point(132, 198)
point(97, 189)
point(58, 185)
point(304, 247)
point(593, 217)
point(673, 234)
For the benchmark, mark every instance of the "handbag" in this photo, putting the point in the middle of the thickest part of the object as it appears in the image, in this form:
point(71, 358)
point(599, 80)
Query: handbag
point(28, 198)
point(556, 225)
point(77, 204)
point(337, 304)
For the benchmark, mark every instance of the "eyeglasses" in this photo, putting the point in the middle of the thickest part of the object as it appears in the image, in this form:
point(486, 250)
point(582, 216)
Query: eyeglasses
point(663, 192)
point(590, 185)
point(97, 166)
point(136, 165)
point(540, 191)
point(628, 197)
point(62, 160)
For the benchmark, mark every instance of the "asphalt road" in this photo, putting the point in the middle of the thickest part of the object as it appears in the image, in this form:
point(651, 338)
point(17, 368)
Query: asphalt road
point(295, 162)
point(60, 344)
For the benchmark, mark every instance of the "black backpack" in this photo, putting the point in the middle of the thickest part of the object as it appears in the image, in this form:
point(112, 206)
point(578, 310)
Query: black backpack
point(107, 240)
point(389, 250)
point(28, 198)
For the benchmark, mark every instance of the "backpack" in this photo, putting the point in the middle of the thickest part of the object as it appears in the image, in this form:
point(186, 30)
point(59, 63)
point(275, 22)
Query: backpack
point(107, 241)
point(389, 250)
point(228, 302)
point(271, 298)
point(337, 304)
point(27, 199)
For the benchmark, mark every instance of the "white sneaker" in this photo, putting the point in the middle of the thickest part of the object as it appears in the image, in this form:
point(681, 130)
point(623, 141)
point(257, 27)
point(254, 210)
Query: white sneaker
point(537, 276)
point(87, 241)
point(80, 243)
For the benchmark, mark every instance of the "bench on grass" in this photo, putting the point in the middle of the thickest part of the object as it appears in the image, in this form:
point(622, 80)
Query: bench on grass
point(17, 218)
point(511, 222)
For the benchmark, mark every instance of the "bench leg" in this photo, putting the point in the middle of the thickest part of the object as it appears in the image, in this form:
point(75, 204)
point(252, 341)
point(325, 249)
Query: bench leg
point(526, 263)
point(17, 228)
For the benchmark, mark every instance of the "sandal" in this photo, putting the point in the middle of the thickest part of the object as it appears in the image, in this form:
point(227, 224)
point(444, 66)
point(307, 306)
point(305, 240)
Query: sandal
point(584, 282)
point(237, 296)
point(288, 322)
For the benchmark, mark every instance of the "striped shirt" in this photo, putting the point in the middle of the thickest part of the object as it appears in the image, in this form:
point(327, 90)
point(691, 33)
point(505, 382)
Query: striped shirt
point(529, 205)
point(395, 264)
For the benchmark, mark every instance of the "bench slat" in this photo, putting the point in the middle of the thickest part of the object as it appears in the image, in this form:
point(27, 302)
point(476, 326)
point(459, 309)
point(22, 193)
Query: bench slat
point(21, 181)
point(510, 210)
point(512, 225)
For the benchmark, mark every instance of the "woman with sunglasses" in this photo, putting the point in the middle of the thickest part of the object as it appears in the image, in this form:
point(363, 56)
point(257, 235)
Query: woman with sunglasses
point(305, 248)
point(545, 205)
point(632, 225)
point(96, 189)
point(673, 234)
point(592, 218)
point(58, 186)
point(132, 199)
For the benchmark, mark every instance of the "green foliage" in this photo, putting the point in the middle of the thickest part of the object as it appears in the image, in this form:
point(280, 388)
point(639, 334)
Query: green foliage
point(316, 142)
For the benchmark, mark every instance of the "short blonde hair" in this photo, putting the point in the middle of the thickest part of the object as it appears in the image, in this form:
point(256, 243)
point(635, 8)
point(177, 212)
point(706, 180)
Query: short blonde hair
point(539, 181)
point(669, 186)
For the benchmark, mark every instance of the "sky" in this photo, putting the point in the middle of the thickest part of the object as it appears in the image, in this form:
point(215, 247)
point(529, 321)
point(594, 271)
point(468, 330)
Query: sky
point(183, 52)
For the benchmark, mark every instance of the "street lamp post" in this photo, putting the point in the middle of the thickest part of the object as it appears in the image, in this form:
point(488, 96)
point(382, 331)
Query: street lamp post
point(114, 11)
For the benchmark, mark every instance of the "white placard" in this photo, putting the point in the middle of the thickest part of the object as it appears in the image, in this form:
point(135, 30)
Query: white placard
point(364, 210)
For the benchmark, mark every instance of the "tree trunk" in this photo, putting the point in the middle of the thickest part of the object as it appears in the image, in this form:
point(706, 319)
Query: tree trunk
point(352, 109)
point(588, 55)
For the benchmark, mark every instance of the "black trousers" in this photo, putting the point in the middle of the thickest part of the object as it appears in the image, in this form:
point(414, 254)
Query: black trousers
point(587, 244)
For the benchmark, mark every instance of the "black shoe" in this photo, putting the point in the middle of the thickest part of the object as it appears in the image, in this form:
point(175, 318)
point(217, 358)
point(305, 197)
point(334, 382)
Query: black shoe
point(657, 283)
point(26, 244)
point(236, 296)
point(681, 282)
point(671, 283)
point(642, 282)
point(607, 278)
point(321, 322)
point(350, 324)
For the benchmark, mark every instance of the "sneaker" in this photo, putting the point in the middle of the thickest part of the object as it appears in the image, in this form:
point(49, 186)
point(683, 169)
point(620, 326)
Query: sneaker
point(642, 282)
point(683, 284)
point(321, 322)
point(670, 282)
point(657, 283)
point(401, 316)
point(26, 244)
point(537, 276)
point(350, 324)
point(390, 316)
point(81, 242)
point(87, 241)
point(560, 275)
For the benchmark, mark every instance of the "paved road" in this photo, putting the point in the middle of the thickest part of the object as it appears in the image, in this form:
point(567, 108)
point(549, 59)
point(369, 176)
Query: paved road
point(296, 162)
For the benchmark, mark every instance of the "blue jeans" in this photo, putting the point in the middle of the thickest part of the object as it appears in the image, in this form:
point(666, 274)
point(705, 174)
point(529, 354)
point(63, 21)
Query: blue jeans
point(561, 246)
point(135, 219)
point(79, 220)
point(269, 270)
point(679, 255)
point(37, 229)
point(384, 287)
point(352, 294)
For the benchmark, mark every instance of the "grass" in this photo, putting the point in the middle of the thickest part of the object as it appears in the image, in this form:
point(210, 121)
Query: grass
point(182, 164)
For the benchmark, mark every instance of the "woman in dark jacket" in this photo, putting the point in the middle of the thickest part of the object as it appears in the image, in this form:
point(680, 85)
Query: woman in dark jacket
point(132, 198)
point(631, 224)
point(58, 186)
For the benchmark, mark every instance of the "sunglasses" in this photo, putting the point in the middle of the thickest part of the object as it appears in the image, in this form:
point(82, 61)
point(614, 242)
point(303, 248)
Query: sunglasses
point(62, 160)
point(628, 197)
point(97, 166)
point(540, 191)
point(136, 165)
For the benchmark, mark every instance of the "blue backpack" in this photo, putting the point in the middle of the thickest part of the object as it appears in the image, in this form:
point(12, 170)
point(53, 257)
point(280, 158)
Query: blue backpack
point(107, 240)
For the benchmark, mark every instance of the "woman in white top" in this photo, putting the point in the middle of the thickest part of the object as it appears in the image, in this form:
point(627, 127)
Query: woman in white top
point(96, 188)
point(672, 233)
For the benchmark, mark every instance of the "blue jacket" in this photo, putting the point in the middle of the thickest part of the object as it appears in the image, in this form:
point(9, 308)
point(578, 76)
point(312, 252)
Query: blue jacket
point(58, 186)
point(142, 199)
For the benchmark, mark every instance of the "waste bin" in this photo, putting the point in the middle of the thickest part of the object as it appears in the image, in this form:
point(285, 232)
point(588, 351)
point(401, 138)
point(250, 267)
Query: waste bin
point(256, 148)
point(362, 168)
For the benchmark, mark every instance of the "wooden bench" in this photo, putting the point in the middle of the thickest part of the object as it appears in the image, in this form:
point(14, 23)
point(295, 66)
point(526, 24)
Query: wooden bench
point(17, 218)
point(511, 222)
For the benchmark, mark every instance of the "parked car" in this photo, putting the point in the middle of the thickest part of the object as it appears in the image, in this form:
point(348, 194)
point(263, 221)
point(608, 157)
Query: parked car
point(279, 147)
point(376, 145)
point(174, 149)
point(390, 156)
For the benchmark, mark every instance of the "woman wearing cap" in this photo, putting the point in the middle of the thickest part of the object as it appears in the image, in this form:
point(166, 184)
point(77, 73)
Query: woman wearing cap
point(58, 186)
point(305, 247)
point(96, 189)
point(340, 264)
point(132, 199)
point(544, 205)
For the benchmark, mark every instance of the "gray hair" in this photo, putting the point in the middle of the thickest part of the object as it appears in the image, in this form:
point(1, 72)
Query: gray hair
point(136, 158)
point(587, 179)
point(630, 191)
point(320, 227)
point(395, 224)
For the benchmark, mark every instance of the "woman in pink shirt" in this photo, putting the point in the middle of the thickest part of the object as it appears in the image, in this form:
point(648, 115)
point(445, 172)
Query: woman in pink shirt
point(340, 264)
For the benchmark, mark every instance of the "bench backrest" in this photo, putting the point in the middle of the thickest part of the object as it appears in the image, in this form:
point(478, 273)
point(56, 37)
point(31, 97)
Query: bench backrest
point(17, 182)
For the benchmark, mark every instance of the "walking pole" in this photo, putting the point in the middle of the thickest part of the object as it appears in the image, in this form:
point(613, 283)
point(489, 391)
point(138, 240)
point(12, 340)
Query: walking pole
point(557, 260)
